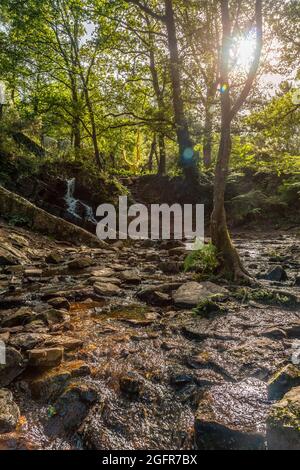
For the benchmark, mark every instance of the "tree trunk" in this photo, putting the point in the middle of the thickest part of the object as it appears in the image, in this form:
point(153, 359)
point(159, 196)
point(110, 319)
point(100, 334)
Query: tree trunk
point(187, 155)
point(151, 154)
point(162, 170)
point(207, 140)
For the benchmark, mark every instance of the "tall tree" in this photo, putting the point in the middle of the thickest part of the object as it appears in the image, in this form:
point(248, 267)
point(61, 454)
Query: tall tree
point(229, 256)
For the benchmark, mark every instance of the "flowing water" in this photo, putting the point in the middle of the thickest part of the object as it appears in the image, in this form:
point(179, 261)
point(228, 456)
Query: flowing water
point(73, 204)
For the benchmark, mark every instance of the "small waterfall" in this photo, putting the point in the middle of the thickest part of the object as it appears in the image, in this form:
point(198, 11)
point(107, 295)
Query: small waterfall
point(73, 204)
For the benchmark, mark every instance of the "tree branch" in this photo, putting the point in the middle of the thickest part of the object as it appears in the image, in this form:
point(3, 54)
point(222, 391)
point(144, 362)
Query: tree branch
point(148, 10)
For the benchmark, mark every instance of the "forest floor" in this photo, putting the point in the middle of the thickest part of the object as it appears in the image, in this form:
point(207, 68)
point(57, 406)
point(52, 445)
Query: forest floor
point(106, 351)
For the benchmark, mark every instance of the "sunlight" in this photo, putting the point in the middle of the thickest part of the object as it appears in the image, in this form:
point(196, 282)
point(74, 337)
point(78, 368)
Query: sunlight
point(245, 51)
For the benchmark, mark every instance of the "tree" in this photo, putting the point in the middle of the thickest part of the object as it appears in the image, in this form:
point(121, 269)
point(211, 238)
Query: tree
point(229, 256)
point(187, 154)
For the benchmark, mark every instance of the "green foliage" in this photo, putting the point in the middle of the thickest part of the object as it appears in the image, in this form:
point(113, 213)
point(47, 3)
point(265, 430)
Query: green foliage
point(203, 260)
point(250, 205)
point(264, 296)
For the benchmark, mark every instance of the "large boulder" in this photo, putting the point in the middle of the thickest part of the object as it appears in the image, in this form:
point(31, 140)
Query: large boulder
point(232, 417)
point(50, 357)
point(191, 294)
point(9, 412)
point(283, 424)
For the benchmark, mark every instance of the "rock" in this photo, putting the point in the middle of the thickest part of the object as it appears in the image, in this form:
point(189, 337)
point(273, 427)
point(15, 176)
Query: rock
point(73, 406)
point(105, 272)
point(192, 293)
point(277, 274)
point(80, 263)
point(157, 295)
point(274, 333)
point(20, 317)
point(107, 289)
point(49, 385)
point(9, 412)
point(130, 277)
point(50, 357)
point(66, 342)
point(14, 205)
point(59, 303)
point(8, 259)
point(283, 424)
point(171, 267)
point(54, 258)
point(152, 257)
point(297, 281)
point(178, 251)
point(27, 341)
point(283, 381)
point(53, 316)
point(14, 366)
point(131, 384)
point(33, 272)
point(232, 417)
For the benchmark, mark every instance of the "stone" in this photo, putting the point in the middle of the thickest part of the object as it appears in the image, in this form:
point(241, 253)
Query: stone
point(297, 281)
point(27, 341)
point(8, 259)
point(15, 365)
point(192, 293)
point(49, 385)
point(277, 274)
point(131, 384)
point(53, 316)
point(104, 272)
point(80, 263)
point(33, 272)
point(171, 267)
point(66, 342)
point(283, 423)
point(283, 381)
point(59, 303)
point(20, 317)
point(72, 406)
point(130, 277)
point(50, 357)
point(157, 295)
point(54, 258)
point(232, 417)
point(107, 289)
point(9, 412)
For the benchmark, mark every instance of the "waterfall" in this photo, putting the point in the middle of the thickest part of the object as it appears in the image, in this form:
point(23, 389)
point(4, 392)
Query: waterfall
point(73, 203)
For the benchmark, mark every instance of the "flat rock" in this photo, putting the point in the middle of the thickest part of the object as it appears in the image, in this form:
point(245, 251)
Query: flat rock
point(192, 293)
point(59, 303)
point(130, 277)
point(68, 343)
point(26, 341)
point(80, 263)
point(46, 357)
point(283, 424)
point(9, 412)
point(232, 417)
point(107, 289)
point(277, 274)
point(20, 317)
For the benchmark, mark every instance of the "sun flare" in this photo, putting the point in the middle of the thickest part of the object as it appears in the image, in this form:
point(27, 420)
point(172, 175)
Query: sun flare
point(245, 51)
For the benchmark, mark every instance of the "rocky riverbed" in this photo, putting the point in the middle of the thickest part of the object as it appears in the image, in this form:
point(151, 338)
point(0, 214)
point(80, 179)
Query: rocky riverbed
point(105, 349)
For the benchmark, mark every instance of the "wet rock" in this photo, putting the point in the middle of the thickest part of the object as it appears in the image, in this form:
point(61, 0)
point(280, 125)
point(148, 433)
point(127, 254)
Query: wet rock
point(16, 441)
point(283, 424)
point(7, 258)
point(15, 365)
point(232, 417)
point(20, 317)
point(277, 274)
point(80, 263)
point(171, 267)
point(27, 341)
point(54, 316)
point(107, 289)
point(72, 406)
point(157, 295)
point(192, 293)
point(178, 251)
point(59, 303)
point(105, 272)
point(274, 333)
point(50, 357)
point(66, 342)
point(49, 385)
point(131, 384)
point(33, 272)
point(283, 381)
point(54, 258)
point(130, 277)
point(297, 281)
point(9, 412)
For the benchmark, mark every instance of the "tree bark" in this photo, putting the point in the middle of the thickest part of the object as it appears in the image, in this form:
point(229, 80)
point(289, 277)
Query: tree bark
point(162, 168)
point(207, 139)
point(187, 155)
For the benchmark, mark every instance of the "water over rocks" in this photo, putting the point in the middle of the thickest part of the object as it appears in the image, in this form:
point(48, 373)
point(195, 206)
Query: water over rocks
point(105, 349)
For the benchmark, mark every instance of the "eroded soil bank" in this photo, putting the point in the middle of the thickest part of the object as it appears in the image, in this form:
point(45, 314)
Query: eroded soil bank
point(106, 351)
